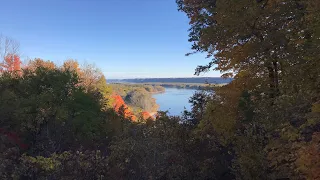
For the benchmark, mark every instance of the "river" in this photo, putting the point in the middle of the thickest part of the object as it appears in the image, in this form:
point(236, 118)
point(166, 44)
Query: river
point(174, 100)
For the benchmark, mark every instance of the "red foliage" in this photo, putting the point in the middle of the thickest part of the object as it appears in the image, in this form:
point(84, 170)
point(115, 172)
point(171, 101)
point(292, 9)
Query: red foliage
point(14, 138)
point(119, 104)
point(11, 63)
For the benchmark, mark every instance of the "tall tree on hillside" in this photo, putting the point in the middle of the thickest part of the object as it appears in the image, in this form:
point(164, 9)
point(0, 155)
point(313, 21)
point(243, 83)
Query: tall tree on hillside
point(259, 39)
point(271, 48)
point(90, 75)
point(9, 54)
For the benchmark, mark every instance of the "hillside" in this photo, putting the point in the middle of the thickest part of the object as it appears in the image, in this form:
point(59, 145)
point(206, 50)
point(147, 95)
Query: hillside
point(202, 80)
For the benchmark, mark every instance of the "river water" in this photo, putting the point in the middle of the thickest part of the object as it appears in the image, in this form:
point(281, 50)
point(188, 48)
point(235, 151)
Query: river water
point(174, 100)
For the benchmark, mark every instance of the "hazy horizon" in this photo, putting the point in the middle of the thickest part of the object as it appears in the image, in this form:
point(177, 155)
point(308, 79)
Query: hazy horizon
point(167, 77)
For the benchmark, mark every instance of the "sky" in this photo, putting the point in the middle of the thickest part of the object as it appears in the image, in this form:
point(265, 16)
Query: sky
point(123, 38)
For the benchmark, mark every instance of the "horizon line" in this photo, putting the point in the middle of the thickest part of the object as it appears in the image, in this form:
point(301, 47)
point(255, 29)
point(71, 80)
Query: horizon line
point(169, 78)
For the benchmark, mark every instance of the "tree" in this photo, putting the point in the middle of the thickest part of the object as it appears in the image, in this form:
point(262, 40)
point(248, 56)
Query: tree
point(38, 63)
point(263, 39)
point(43, 103)
point(121, 108)
point(90, 75)
point(71, 65)
point(8, 46)
point(198, 102)
point(152, 150)
point(9, 54)
point(11, 63)
point(142, 99)
point(270, 47)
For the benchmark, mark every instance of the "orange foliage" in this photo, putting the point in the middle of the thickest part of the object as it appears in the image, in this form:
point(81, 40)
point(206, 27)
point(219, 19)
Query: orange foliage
point(145, 115)
point(119, 105)
point(72, 65)
point(40, 63)
point(11, 63)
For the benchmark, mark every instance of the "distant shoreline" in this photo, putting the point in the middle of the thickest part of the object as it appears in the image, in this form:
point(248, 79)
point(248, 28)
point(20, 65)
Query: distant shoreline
point(199, 80)
point(158, 92)
point(195, 86)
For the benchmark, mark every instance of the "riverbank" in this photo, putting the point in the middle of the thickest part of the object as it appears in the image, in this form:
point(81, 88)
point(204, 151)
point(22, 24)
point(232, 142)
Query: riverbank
point(194, 86)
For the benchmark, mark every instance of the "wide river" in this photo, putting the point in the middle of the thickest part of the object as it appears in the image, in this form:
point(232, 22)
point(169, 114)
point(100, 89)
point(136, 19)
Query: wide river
point(174, 100)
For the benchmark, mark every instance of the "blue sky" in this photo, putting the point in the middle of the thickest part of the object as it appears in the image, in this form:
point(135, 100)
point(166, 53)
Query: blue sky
point(124, 38)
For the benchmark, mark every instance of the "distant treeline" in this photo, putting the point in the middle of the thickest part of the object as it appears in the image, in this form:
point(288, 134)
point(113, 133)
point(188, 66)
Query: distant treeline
point(197, 86)
point(203, 80)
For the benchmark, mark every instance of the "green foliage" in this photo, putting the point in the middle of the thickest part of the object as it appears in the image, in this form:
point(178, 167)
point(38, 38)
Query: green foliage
point(151, 150)
point(124, 89)
point(106, 91)
point(48, 105)
point(67, 165)
point(270, 111)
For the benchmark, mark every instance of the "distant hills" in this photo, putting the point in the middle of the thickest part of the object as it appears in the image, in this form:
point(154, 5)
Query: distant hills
point(208, 80)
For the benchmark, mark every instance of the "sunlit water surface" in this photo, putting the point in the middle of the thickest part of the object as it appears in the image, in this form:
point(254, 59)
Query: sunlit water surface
point(174, 100)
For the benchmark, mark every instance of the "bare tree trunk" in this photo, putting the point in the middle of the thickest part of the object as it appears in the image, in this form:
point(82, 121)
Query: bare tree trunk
point(273, 71)
point(276, 77)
